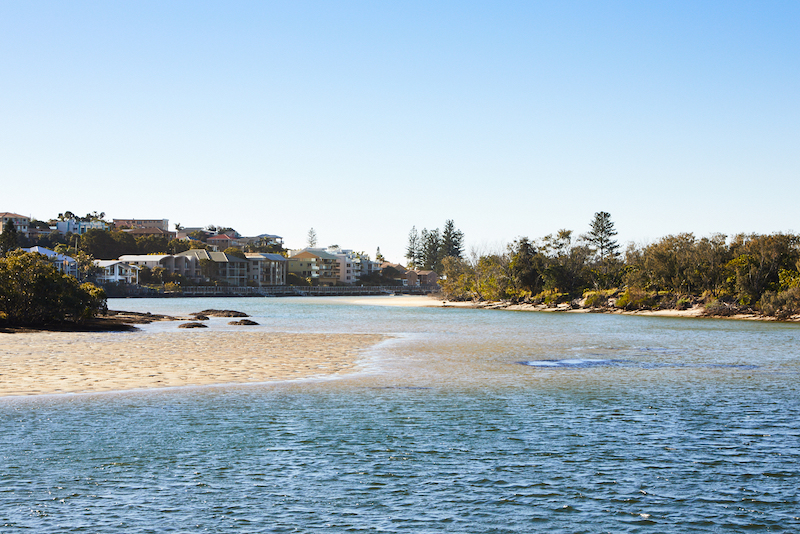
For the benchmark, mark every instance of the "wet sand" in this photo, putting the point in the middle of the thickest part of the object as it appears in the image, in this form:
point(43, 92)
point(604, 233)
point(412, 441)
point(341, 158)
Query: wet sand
point(76, 362)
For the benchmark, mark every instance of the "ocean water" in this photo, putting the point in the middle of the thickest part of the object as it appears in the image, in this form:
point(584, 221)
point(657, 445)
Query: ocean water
point(465, 421)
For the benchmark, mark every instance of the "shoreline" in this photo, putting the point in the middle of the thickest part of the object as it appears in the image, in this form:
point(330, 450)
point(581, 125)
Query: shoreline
point(697, 312)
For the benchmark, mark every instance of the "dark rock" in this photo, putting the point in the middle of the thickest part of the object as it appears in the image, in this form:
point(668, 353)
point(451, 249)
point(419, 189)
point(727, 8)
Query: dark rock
point(222, 313)
point(192, 325)
point(244, 322)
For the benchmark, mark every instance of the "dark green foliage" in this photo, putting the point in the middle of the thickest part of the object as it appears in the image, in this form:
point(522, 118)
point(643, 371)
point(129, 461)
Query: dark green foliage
point(601, 234)
point(9, 240)
point(452, 240)
point(235, 251)
point(33, 292)
point(414, 249)
point(427, 250)
point(152, 244)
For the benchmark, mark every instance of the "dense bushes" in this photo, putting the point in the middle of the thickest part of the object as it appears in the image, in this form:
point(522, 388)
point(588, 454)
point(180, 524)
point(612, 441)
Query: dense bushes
point(742, 274)
point(33, 292)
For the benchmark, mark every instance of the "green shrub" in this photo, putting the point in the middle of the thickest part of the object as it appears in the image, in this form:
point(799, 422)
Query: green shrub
point(635, 299)
point(781, 304)
point(595, 300)
point(33, 292)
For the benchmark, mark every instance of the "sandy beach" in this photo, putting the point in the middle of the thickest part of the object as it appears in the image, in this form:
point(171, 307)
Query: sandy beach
point(76, 362)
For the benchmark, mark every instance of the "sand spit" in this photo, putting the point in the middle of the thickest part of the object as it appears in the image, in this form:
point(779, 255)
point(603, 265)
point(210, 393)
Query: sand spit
point(438, 301)
point(74, 362)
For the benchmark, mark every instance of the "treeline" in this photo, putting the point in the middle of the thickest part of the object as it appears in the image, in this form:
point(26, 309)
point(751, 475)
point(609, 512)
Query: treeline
point(744, 273)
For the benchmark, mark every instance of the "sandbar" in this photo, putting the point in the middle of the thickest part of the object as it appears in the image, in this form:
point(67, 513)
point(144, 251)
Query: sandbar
point(80, 362)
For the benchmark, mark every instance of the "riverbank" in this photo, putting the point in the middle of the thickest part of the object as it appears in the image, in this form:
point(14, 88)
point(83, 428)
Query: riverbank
point(695, 311)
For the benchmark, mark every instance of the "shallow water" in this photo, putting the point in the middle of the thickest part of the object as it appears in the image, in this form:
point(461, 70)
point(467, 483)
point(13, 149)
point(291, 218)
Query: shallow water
point(466, 421)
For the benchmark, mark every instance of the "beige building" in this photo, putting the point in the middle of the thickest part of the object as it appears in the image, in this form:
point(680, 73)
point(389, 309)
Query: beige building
point(317, 265)
point(20, 222)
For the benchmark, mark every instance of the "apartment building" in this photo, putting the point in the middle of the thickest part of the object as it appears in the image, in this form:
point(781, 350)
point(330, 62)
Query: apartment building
point(20, 222)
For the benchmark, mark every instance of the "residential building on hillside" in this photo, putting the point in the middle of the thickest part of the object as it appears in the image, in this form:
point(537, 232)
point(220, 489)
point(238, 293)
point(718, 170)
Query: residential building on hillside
point(115, 271)
point(142, 223)
point(74, 226)
point(352, 265)
point(266, 269)
point(326, 267)
point(20, 222)
point(210, 265)
point(173, 264)
point(427, 278)
point(65, 264)
point(222, 241)
point(184, 232)
point(142, 232)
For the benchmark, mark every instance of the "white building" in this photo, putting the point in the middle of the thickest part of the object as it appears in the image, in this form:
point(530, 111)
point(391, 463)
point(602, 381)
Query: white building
point(115, 271)
point(74, 226)
point(65, 264)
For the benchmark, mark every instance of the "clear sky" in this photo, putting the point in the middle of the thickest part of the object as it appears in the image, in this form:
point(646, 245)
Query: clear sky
point(362, 119)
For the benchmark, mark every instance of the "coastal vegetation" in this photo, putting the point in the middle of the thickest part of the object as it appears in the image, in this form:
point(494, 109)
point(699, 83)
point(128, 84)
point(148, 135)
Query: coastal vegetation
point(34, 293)
point(748, 273)
point(428, 249)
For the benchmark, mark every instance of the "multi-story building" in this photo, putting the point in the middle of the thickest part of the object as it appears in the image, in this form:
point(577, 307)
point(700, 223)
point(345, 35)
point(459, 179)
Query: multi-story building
point(74, 226)
point(115, 271)
point(316, 264)
point(209, 265)
point(20, 222)
point(266, 269)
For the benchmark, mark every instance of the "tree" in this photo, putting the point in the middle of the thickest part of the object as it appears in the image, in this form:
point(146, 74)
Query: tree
point(413, 252)
point(452, 240)
point(601, 235)
point(235, 251)
point(176, 246)
point(431, 248)
point(33, 292)
point(312, 238)
point(9, 239)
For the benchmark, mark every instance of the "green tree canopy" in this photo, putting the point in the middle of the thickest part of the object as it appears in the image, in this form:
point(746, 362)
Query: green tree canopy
point(33, 292)
point(601, 234)
point(9, 239)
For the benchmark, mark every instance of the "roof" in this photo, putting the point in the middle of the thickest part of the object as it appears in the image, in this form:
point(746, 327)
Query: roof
point(50, 253)
point(13, 215)
point(144, 257)
point(221, 257)
point(222, 236)
point(109, 263)
point(199, 253)
point(317, 253)
point(265, 255)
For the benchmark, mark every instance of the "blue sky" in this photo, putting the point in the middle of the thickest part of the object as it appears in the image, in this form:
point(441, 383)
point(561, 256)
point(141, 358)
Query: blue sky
point(362, 119)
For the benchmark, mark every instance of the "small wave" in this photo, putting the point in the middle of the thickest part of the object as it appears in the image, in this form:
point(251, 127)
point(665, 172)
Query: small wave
point(574, 363)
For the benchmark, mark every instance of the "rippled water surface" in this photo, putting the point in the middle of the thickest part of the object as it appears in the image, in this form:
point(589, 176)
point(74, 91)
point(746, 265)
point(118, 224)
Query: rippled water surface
point(466, 421)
